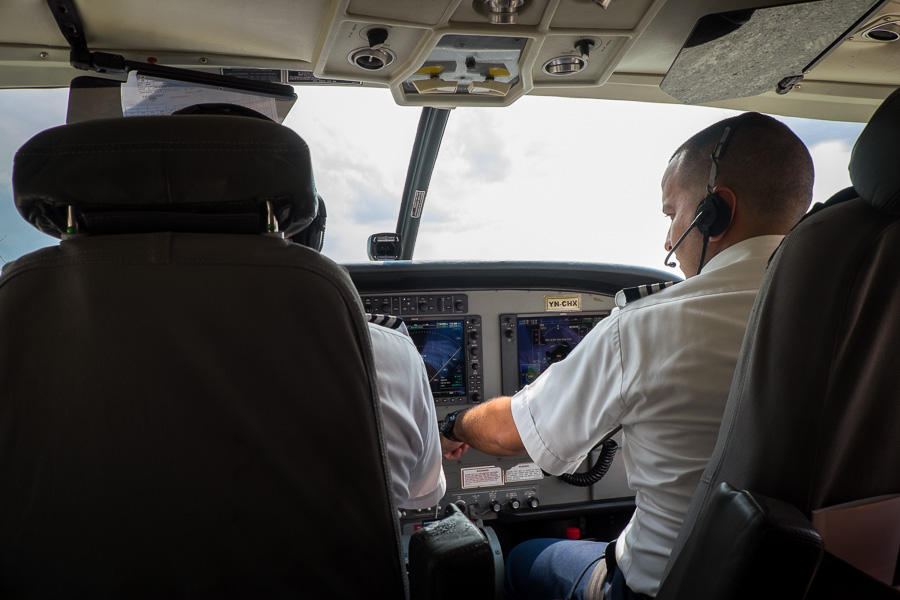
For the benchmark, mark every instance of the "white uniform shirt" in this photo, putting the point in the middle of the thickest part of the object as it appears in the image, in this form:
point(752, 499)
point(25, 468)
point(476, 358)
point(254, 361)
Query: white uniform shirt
point(662, 368)
point(410, 422)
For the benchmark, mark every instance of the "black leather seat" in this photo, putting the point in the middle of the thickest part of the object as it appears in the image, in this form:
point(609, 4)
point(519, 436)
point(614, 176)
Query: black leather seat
point(813, 417)
point(188, 404)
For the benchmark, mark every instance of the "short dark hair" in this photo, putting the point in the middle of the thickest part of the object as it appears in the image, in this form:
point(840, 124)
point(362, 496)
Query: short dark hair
point(764, 162)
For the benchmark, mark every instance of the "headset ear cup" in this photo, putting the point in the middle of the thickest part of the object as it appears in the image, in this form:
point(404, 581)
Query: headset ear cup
point(313, 236)
point(716, 215)
point(319, 224)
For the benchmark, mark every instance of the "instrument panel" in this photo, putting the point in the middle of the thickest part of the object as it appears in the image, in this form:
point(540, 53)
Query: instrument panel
point(486, 330)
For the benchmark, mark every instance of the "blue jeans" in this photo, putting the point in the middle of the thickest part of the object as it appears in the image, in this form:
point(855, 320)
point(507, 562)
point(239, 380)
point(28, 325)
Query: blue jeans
point(546, 569)
point(549, 569)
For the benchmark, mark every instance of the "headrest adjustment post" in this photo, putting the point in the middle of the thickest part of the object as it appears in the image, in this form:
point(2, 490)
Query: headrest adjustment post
point(71, 224)
point(272, 224)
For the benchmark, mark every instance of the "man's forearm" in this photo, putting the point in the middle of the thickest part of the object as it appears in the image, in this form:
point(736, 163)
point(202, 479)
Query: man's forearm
point(490, 427)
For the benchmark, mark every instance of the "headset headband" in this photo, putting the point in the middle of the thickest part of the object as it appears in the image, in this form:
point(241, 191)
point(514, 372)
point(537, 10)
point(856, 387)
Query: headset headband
point(716, 154)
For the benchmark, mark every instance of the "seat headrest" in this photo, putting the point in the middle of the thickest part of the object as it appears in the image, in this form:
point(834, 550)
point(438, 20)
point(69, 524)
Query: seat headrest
point(173, 173)
point(873, 164)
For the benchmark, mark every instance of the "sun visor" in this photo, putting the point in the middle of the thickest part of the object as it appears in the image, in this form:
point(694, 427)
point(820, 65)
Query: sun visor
point(174, 173)
point(148, 94)
point(749, 52)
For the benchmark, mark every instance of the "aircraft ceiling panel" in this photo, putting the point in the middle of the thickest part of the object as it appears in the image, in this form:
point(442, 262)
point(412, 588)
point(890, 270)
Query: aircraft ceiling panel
point(284, 29)
point(636, 43)
point(402, 45)
point(426, 12)
point(27, 22)
point(862, 62)
point(606, 51)
point(529, 14)
point(579, 14)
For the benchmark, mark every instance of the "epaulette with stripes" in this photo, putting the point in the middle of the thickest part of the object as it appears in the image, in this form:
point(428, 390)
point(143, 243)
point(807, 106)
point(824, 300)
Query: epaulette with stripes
point(631, 294)
point(389, 321)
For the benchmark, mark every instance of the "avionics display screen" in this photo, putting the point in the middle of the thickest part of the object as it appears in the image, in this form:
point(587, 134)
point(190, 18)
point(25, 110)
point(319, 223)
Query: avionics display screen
point(441, 344)
point(544, 340)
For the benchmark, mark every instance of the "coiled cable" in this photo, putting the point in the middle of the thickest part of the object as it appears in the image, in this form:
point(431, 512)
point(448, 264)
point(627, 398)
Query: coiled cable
point(608, 448)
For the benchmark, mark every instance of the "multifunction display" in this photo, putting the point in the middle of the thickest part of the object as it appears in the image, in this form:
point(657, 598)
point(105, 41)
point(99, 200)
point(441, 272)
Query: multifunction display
point(531, 343)
point(441, 345)
point(450, 349)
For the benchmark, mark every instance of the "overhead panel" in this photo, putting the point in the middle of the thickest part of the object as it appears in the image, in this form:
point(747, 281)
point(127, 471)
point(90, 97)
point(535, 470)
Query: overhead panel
point(527, 12)
point(562, 62)
point(870, 55)
point(426, 12)
point(284, 29)
point(469, 65)
point(746, 53)
point(581, 14)
point(588, 39)
point(374, 53)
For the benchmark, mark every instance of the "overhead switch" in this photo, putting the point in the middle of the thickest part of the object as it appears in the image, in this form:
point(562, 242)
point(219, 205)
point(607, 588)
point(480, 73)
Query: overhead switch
point(435, 85)
point(489, 87)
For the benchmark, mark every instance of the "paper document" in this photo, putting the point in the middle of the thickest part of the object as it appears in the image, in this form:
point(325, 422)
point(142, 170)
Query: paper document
point(146, 96)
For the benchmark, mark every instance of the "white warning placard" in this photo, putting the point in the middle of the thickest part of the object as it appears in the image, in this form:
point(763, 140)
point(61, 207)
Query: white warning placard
point(524, 472)
point(478, 477)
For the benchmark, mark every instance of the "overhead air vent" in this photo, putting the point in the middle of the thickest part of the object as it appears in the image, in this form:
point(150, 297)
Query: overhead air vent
point(885, 30)
point(570, 64)
point(503, 12)
point(376, 56)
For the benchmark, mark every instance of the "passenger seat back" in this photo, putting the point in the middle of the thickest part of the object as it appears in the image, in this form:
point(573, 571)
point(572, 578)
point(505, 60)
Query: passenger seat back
point(189, 406)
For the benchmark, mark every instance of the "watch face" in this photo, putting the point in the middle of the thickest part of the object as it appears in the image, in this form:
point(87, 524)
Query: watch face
point(447, 426)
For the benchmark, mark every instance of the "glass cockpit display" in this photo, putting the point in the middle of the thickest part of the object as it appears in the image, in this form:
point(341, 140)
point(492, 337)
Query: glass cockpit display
point(442, 346)
point(544, 340)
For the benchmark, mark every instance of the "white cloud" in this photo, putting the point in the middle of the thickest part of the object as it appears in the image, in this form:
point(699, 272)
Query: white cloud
point(830, 159)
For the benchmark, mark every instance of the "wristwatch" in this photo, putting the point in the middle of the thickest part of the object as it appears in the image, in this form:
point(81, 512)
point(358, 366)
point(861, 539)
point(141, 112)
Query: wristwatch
point(448, 424)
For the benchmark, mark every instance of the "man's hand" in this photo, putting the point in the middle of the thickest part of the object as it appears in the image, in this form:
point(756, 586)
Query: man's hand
point(488, 427)
point(452, 450)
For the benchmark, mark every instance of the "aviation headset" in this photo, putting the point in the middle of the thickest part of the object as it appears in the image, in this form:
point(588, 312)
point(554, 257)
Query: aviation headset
point(313, 235)
point(713, 214)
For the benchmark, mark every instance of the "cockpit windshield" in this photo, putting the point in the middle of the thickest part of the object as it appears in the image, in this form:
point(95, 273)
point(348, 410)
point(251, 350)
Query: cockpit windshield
point(544, 179)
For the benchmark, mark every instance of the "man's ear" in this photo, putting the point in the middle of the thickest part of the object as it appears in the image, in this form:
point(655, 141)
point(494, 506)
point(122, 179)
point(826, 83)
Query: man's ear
point(727, 195)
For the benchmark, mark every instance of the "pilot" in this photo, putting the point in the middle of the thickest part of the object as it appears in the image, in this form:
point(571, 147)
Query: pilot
point(660, 365)
point(411, 437)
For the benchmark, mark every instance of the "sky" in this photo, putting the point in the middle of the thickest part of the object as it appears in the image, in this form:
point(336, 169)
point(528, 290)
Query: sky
point(543, 179)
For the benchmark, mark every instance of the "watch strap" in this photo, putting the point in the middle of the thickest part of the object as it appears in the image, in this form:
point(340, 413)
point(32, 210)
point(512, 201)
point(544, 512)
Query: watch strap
point(448, 425)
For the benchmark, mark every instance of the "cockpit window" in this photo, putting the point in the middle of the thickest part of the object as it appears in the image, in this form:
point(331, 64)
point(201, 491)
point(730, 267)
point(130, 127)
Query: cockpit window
point(23, 113)
point(544, 179)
